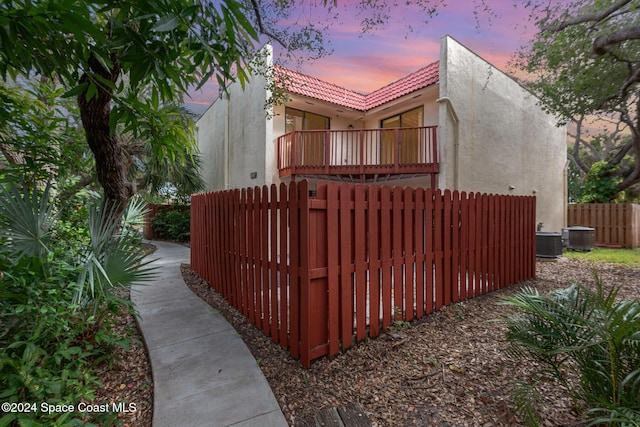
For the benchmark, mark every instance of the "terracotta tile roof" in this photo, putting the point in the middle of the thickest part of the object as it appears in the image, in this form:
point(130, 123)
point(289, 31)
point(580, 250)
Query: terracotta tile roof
point(418, 80)
point(302, 84)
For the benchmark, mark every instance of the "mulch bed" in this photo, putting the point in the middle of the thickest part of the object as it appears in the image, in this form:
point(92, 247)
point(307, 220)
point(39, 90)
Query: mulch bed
point(127, 377)
point(447, 369)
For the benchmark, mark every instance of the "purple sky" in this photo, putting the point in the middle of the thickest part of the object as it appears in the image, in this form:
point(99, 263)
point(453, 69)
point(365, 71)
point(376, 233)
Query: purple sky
point(367, 62)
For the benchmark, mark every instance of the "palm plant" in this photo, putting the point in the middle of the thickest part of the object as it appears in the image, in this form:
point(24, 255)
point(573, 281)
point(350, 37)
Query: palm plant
point(56, 290)
point(114, 259)
point(588, 332)
point(26, 218)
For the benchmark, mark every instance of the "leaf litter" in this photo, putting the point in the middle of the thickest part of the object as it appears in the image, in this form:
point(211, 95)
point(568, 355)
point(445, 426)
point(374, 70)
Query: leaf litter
point(449, 368)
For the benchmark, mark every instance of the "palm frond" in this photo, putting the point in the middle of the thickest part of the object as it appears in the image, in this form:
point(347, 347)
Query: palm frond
point(112, 260)
point(588, 331)
point(527, 402)
point(26, 218)
point(133, 214)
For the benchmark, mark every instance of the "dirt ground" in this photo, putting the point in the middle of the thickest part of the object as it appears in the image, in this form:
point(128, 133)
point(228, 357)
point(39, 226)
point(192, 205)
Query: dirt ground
point(447, 369)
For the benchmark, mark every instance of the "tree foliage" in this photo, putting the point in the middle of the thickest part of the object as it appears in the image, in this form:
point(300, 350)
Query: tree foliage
point(592, 177)
point(129, 63)
point(105, 54)
point(586, 61)
point(38, 134)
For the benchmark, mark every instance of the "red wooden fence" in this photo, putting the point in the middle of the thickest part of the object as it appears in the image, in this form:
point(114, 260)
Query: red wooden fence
point(318, 273)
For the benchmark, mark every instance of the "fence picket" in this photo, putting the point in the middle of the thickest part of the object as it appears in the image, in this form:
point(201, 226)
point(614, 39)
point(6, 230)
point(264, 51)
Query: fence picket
point(305, 252)
point(294, 274)
point(409, 253)
point(257, 245)
point(360, 248)
point(226, 249)
point(479, 288)
point(446, 246)
point(386, 262)
point(396, 255)
point(273, 262)
point(374, 259)
point(333, 271)
point(283, 270)
point(316, 273)
point(418, 218)
point(502, 241)
point(264, 259)
point(471, 275)
point(464, 242)
point(514, 237)
point(346, 266)
point(429, 264)
point(438, 236)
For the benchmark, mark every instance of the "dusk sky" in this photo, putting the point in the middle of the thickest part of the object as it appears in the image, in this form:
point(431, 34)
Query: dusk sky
point(366, 62)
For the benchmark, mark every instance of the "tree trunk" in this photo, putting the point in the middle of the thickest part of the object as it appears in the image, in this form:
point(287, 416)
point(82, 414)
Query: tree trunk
point(104, 144)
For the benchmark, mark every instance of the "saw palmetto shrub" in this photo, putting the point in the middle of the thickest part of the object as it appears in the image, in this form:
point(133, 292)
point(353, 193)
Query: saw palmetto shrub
point(580, 333)
point(61, 279)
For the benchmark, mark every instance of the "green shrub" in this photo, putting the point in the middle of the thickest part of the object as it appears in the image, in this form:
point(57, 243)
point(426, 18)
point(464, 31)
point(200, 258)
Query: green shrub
point(601, 184)
point(584, 332)
point(48, 345)
point(173, 224)
point(57, 288)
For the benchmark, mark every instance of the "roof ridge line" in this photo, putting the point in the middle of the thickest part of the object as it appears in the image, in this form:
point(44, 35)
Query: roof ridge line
point(329, 92)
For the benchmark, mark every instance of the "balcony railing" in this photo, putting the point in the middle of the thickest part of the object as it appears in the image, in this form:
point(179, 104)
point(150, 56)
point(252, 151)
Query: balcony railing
point(361, 153)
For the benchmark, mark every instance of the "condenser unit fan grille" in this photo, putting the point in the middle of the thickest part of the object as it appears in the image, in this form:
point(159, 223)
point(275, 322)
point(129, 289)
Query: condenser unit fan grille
point(548, 245)
point(581, 238)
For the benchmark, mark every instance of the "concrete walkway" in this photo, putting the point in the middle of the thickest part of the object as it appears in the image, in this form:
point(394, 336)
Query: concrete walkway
point(203, 373)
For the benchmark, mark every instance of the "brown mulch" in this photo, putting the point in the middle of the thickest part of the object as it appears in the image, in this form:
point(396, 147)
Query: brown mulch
point(447, 369)
point(126, 377)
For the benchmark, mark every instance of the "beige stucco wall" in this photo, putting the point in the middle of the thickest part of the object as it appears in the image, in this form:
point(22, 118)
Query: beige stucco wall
point(235, 137)
point(492, 135)
point(211, 135)
point(503, 141)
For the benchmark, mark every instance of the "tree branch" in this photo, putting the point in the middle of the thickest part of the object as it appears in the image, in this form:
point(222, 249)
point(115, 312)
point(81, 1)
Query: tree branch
point(634, 78)
point(261, 27)
point(603, 44)
point(575, 155)
point(624, 150)
point(85, 181)
point(13, 157)
point(634, 176)
point(594, 17)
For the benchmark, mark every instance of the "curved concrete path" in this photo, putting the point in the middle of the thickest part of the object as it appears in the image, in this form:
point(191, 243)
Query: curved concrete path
point(203, 373)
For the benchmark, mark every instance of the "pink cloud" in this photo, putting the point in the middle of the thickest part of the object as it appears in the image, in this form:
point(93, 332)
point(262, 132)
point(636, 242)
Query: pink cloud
point(406, 43)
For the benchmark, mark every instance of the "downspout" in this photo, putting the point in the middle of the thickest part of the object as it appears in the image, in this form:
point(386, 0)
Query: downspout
point(456, 137)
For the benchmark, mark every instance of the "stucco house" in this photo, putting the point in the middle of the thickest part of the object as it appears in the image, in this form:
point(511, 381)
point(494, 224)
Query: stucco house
point(458, 123)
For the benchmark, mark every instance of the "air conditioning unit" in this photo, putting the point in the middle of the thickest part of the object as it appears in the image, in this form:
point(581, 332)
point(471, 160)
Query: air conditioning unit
point(580, 238)
point(548, 245)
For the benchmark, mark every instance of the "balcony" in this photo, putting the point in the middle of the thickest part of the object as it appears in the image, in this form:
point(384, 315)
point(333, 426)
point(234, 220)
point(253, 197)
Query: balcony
point(359, 154)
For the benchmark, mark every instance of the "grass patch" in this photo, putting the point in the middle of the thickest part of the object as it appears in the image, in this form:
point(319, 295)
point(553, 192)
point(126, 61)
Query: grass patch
point(628, 257)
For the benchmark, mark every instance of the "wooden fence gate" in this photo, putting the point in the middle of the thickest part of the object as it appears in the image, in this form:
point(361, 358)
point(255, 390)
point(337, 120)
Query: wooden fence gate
point(317, 273)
